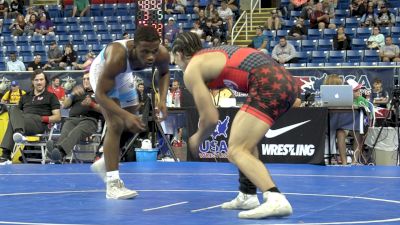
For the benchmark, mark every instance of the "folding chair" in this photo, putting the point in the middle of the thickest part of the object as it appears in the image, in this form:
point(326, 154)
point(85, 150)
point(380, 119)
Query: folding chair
point(34, 146)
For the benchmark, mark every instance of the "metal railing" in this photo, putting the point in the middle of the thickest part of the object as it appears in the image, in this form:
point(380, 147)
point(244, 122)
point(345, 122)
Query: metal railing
point(253, 5)
point(244, 25)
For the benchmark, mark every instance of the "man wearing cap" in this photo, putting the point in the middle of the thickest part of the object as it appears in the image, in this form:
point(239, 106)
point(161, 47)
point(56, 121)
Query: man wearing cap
point(14, 64)
point(260, 41)
point(385, 18)
point(54, 55)
point(13, 95)
point(171, 30)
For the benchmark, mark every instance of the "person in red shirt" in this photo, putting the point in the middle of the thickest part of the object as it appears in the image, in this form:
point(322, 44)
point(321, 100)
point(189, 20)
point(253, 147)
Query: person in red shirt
point(56, 88)
point(271, 92)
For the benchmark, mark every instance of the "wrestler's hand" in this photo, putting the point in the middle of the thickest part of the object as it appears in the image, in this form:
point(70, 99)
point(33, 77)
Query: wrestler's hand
point(161, 111)
point(134, 123)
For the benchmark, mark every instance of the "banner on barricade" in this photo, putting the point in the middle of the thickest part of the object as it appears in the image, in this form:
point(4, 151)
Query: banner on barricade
point(309, 80)
point(297, 137)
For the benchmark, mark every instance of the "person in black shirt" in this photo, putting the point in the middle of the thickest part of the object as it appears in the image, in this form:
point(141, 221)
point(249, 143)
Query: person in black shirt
point(37, 64)
point(81, 123)
point(35, 111)
point(69, 56)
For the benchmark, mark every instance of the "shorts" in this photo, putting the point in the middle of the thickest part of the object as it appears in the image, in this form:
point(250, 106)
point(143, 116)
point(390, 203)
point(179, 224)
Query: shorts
point(272, 91)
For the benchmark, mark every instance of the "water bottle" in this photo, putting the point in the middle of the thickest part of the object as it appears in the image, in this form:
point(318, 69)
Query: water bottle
point(317, 98)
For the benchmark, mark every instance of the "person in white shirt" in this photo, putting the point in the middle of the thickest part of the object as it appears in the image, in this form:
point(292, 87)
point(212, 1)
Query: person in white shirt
point(389, 52)
point(14, 64)
point(226, 14)
point(197, 29)
point(376, 40)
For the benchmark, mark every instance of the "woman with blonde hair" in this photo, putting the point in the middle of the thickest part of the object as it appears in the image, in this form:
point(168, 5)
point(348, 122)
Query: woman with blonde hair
point(86, 65)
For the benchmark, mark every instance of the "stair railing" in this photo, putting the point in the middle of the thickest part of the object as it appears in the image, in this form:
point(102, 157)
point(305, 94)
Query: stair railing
point(243, 26)
point(253, 5)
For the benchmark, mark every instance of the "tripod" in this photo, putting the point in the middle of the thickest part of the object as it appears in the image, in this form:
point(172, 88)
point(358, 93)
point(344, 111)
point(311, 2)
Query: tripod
point(396, 104)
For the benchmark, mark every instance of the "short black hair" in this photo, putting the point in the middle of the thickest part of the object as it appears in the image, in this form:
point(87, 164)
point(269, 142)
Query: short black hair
point(188, 43)
point(146, 33)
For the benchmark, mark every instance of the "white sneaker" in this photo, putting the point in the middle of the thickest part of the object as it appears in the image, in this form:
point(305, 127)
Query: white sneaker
point(242, 201)
point(117, 190)
point(275, 205)
point(99, 167)
point(19, 138)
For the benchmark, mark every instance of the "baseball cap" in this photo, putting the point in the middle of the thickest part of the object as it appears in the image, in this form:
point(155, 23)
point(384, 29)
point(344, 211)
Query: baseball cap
point(14, 83)
point(171, 18)
point(260, 27)
point(354, 84)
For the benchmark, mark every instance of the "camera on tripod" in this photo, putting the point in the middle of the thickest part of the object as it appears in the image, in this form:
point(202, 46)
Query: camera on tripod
point(396, 93)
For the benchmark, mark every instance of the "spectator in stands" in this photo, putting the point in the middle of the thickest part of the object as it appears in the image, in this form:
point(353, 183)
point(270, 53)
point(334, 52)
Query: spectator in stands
point(329, 8)
point(35, 111)
point(196, 29)
point(210, 33)
point(14, 64)
point(82, 7)
point(29, 29)
point(284, 52)
point(275, 21)
point(4, 9)
point(389, 52)
point(260, 41)
point(125, 36)
point(180, 6)
point(88, 61)
point(16, 8)
point(44, 26)
point(142, 96)
point(319, 19)
point(341, 41)
point(226, 15)
point(369, 19)
point(18, 26)
point(218, 24)
point(298, 31)
point(54, 55)
point(210, 8)
point(29, 11)
point(37, 64)
point(379, 97)
point(13, 95)
point(41, 10)
point(385, 18)
point(202, 18)
point(171, 30)
point(70, 56)
point(56, 88)
point(376, 40)
point(196, 7)
point(307, 10)
point(82, 121)
point(357, 8)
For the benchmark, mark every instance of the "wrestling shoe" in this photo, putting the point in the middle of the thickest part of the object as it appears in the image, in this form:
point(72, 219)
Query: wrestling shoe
point(19, 138)
point(99, 167)
point(275, 205)
point(242, 201)
point(117, 190)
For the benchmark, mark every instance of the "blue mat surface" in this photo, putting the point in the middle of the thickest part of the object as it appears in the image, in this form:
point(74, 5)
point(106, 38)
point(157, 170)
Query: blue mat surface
point(189, 193)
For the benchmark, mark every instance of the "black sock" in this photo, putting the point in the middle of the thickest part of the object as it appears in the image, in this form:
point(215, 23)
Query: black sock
point(274, 189)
